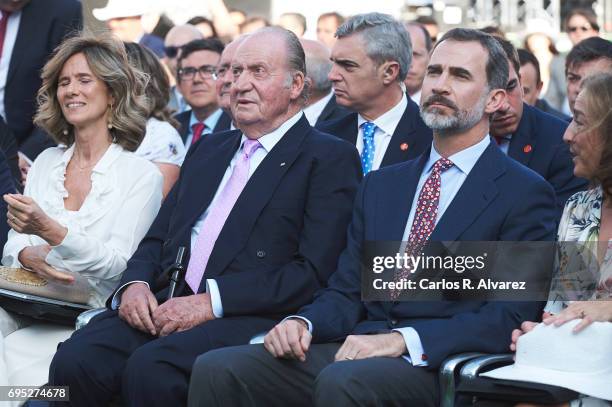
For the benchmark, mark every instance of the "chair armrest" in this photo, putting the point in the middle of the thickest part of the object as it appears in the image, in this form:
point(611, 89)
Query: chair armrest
point(448, 371)
point(84, 317)
point(478, 365)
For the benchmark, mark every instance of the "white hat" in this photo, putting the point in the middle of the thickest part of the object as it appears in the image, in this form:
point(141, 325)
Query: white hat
point(556, 356)
point(121, 8)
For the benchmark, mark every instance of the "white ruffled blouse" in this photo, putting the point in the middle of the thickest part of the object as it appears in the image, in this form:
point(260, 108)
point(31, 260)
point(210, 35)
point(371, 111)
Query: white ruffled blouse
point(125, 196)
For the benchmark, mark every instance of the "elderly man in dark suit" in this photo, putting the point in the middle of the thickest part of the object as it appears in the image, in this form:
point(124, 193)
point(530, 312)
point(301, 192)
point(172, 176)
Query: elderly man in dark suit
point(371, 59)
point(461, 189)
point(29, 31)
point(321, 105)
point(264, 211)
point(534, 138)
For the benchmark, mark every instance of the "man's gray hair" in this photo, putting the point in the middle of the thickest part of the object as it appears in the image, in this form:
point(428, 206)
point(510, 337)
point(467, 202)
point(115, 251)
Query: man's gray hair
point(296, 59)
point(318, 71)
point(497, 63)
point(384, 37)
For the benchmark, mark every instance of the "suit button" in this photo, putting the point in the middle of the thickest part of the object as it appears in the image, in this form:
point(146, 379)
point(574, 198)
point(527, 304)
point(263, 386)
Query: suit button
point(261, 254)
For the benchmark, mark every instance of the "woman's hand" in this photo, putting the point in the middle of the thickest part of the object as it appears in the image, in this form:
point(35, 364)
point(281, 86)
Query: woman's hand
point(587, 311)
point(33, 258)
point(25, 216)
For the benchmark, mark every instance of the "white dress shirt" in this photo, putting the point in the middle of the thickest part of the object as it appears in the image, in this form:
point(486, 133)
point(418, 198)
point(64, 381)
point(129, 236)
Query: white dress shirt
point(12, 28)
point(210, 122)
point(451, 181)
point(267, 141)
point(385, 127)
point(162, 144)
point(125, 196)
point(313, 111)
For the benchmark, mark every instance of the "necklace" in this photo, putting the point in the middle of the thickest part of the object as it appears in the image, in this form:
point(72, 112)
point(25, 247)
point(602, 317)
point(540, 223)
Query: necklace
point(80, 168)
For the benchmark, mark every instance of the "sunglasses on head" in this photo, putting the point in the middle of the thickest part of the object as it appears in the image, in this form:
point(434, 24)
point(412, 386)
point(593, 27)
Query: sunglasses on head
point(171, 52)
point(583, 28)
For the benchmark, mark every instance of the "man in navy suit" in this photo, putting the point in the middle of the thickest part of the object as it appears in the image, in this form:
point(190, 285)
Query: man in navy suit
point(534, 138)
point(264, 213)
point(386, 353)
point(34, 28)
point(371, 61)
point(196, 79)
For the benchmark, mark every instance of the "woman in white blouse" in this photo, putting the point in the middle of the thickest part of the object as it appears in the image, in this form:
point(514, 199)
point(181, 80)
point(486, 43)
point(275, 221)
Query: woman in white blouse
point(87, 203)
point(162, 143)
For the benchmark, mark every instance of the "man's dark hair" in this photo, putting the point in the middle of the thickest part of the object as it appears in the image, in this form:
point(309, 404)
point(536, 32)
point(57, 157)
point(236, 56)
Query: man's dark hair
point(587, 13)
point(207, 44)
point(428, 42)
point(496, 68)
point(588, 50)
point(526, 57)
point(339, 18)
point(494, 31)
point(510, 52)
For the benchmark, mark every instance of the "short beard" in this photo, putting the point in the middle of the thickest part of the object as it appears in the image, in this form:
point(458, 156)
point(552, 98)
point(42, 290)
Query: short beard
point(458, 122)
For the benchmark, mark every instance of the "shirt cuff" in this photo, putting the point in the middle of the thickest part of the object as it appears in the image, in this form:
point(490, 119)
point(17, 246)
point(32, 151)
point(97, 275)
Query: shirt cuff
point(416, 353)
point(116, 301)
point(212, 288)
point(303, 319)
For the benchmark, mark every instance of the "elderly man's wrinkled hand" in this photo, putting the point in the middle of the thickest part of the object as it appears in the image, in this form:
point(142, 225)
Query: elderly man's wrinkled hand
point(182, 313)
point(137, 306)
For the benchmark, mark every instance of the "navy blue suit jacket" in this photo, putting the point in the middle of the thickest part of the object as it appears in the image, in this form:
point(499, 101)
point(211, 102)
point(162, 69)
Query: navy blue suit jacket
point(43, 26)
point(538, 144)
point(283, 237)
point(223, 124)
point(7, 186)
point(332, 111)
point(499, 200)
point(410, 139)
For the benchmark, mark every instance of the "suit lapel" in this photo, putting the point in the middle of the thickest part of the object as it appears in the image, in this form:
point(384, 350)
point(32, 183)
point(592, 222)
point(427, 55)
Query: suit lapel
point(327, 110)
point(393, 208)
point(183, 119)
point(255, 196)
point(25, 34)
point(399, 148)
point(476, 193)
point(523, 140)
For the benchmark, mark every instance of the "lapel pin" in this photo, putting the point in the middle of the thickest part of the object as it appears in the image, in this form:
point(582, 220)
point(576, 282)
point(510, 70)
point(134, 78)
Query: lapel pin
point(404, 146)
point(282, 164)
point(527, 148)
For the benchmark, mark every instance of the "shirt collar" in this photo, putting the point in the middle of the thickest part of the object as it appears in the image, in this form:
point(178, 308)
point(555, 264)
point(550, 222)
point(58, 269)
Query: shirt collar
point(210, 122)
point(388, 121)
point(103, 165)
point(465, 159)
point(268, 141)
point(319, 105)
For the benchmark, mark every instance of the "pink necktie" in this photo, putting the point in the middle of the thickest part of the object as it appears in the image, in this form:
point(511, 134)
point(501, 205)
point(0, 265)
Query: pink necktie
point(217, 215)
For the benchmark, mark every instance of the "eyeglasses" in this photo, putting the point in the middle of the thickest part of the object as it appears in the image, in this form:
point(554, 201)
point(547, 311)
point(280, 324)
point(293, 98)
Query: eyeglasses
point(171, 51)
point(206, 72)
point(583, 28)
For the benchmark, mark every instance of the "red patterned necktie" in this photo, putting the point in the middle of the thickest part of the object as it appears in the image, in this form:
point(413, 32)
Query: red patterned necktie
point(3, 24)
point(197, 130)
point(424, 217)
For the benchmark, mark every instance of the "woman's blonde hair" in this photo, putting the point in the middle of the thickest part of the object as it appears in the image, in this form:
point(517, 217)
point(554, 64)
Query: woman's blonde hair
point(108, 61)
point(597, 94)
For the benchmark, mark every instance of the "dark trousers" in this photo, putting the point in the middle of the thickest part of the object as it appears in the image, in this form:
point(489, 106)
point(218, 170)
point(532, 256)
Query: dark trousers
point(249, 376)
point(108, 357)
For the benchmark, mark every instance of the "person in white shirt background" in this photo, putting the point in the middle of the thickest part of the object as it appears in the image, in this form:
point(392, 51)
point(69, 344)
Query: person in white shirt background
point(162, 143)
point(88, 202)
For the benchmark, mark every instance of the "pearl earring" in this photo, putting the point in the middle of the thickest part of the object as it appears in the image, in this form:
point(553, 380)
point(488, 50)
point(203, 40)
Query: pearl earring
point(65, 131)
